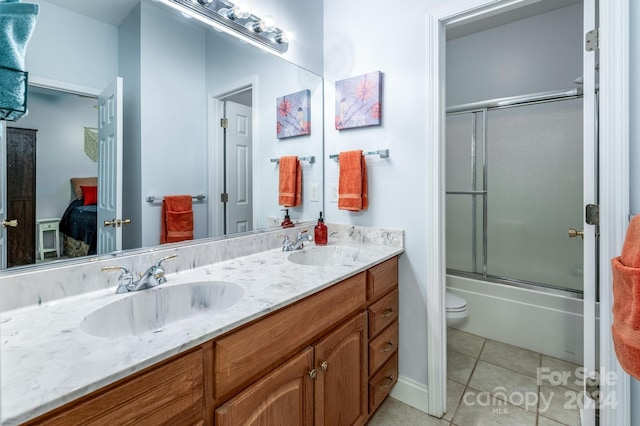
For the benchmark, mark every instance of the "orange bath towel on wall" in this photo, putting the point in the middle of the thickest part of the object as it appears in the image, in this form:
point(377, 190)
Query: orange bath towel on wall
point(177, 219)
point(626, 301)
point(352, 181)
point(290, 183)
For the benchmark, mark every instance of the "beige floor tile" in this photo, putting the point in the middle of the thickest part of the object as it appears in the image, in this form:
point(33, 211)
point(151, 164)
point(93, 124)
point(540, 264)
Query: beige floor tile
point(507, 385)
point(393, 412)
point(560, 404)
point(543, 421)
point(511, 357)
point(561, 373)
point(465, 343)
point(480, 409)
point(459, 367)
point(454, 393)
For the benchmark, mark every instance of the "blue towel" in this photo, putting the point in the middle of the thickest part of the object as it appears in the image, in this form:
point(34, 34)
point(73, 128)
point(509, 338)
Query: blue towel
point(17, 21)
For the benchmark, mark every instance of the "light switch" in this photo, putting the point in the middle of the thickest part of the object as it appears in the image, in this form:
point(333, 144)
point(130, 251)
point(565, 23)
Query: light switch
point(333, 193)
point(314, 192)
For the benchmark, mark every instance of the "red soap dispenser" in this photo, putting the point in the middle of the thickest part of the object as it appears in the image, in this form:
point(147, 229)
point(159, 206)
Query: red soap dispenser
point(320, 232)
point(286, 223)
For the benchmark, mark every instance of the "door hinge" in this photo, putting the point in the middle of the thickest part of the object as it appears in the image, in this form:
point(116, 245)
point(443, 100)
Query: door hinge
point(224, 197)
point(592, 40)
point(592, 214)
point(592, 388)
point(224, 123)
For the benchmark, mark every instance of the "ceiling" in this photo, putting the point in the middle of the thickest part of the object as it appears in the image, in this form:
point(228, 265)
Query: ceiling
point(110, 11)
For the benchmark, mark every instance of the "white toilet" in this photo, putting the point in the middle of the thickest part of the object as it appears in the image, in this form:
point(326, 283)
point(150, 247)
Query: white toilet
point(457, 310)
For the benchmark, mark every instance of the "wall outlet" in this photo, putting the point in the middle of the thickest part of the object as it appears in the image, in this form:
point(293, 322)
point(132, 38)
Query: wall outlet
point(333, 192)
point(314, 192)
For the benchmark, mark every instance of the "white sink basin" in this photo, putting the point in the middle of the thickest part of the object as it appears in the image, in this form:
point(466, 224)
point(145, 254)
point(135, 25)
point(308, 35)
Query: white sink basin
point(149, 311)
point(325, 256)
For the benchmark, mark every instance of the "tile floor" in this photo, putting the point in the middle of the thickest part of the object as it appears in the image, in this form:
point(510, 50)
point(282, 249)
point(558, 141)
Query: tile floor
point(491, 383)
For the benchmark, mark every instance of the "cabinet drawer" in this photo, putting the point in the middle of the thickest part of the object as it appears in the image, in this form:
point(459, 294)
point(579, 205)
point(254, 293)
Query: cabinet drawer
point(382, 278)
point(166, 395)
point(380, 385)
point(48, 226)
point(382, 347)
point(382, 313)
point(244, 355)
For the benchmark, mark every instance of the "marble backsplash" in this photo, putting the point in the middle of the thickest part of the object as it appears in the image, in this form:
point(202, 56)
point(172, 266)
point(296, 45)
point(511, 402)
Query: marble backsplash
point(42, 284)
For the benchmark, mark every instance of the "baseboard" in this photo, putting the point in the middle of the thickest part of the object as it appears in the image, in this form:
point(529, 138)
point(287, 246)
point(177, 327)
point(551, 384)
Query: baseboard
point(411, 393)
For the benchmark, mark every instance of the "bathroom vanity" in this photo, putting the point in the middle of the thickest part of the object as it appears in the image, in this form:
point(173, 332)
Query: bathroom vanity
point(306, 344)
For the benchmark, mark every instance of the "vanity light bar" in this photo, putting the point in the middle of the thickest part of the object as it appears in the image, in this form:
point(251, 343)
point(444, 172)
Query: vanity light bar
point(241, 27)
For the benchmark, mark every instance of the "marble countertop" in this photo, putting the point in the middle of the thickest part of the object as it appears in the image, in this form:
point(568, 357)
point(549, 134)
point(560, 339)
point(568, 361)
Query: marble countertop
point(47, 360)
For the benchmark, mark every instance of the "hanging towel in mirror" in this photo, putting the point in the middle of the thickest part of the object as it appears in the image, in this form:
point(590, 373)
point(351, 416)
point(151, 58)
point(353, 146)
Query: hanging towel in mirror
point(352, 181)
point(290, 183)
point(626, 301)
point(17, 21)
point(177, 219)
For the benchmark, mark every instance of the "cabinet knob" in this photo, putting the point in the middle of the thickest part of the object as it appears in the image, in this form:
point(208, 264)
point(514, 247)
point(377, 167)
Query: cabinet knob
point(388, 347)
point(387, 313)
point(312, 374)
point(387, 383)
point(324, 366)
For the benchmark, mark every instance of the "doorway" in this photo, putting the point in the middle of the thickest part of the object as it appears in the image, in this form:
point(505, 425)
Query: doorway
point(231, 161)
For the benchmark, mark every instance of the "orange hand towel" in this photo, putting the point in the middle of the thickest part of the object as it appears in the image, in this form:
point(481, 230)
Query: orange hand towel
point(177, 219)
point(290, 184)
point(626, 301)
point(352, 181)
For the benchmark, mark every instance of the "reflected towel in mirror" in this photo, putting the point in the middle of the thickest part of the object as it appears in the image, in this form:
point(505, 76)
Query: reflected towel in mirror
point(177, 219)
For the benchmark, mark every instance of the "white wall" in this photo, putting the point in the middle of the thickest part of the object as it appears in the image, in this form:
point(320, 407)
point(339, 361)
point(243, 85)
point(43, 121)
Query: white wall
point(537, 54)
point(72, 48)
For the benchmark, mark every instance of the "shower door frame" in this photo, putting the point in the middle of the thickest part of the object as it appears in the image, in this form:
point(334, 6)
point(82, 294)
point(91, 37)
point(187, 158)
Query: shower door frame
point(483, 107)
point(614, 182)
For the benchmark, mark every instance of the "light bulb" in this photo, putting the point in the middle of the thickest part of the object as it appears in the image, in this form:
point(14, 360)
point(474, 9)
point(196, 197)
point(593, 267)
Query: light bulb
point(203, 2)
point(241, 12)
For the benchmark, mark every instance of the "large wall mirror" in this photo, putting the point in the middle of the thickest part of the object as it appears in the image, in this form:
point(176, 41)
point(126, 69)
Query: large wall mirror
point(179, 79)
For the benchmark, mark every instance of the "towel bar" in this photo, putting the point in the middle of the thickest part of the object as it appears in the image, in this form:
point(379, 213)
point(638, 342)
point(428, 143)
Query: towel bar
point(153, 199)
point(311, 159)
point(383, 153)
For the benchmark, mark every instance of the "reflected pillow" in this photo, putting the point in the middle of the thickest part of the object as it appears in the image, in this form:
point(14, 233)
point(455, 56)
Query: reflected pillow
point(77, 182)
point(90, 194)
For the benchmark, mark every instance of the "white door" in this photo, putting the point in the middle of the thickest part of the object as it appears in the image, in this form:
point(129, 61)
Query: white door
point(590, 196)
point(110, 168)
point(239, 216)
point(3, 196)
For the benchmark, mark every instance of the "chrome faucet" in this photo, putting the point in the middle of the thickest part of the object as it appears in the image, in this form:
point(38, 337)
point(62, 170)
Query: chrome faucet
point(150, 278)
point(288, 245)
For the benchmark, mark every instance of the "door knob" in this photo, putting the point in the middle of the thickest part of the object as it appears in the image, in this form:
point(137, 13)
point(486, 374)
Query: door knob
point(117, 223)
point(574, 233)
point(12, 223)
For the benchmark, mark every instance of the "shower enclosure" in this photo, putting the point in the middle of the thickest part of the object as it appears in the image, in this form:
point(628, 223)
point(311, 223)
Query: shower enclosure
point(514, 186)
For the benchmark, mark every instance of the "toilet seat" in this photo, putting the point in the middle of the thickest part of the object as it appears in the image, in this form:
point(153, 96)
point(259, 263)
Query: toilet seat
point(455, 303)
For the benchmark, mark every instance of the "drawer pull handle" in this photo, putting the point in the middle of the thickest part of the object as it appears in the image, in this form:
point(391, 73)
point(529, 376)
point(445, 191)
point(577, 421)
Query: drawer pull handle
point(387, 313)
point(387, 384)
point(388, 347)
point(312, 374)
point(324, 366)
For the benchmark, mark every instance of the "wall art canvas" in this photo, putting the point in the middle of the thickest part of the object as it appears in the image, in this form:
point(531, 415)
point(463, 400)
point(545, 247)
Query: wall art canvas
point(359, 101)
point(293, 116)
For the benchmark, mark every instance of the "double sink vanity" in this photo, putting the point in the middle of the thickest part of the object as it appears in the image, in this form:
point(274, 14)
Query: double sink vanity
point(240, 333)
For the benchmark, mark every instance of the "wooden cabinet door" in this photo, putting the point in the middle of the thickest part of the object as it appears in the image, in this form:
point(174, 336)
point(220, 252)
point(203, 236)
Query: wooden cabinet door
point(341, 383)
point(283, 397)
point(21, 196)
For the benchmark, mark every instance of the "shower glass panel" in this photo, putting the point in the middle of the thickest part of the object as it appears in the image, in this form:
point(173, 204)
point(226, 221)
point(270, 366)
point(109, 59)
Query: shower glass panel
point(514, 187)
point(535, 193)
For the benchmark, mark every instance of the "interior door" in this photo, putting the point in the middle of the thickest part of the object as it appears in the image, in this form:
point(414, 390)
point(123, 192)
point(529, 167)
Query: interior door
point(238, 158)
point(590, 194)
point(110, 168)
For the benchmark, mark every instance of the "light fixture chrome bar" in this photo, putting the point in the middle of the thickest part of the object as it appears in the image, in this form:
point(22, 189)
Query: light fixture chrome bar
point(311, 159)
point(237, 26)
